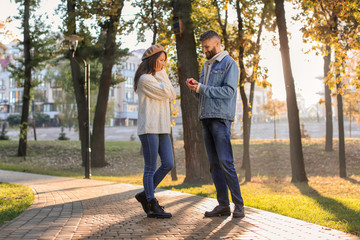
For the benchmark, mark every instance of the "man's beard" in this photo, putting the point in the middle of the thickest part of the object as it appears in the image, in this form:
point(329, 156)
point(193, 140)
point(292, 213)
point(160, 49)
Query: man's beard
point(211, 54)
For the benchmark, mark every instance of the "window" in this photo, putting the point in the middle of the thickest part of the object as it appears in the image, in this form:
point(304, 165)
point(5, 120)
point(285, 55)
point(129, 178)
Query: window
point(2, 84)
point(12, 83)
point(57, 93)
point(15, 96)
point(111, 92)
point(49, 107)
point(129, 96)
point(129, 82)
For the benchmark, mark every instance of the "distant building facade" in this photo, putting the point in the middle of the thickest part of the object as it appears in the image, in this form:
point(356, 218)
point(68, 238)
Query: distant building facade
point(123, 95)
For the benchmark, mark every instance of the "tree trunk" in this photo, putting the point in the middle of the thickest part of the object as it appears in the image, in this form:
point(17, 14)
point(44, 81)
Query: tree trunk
point(296, 153)
point(223, 26)
point(155, 29)
point(246, 119)
point(247, 123)
point(342, 159)
point(196, 162)
point(78, 82)
point(27, 82)
point(98, 137)
point(328, 107)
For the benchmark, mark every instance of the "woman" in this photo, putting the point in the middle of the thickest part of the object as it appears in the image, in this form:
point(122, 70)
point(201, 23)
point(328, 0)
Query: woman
point(155, 92)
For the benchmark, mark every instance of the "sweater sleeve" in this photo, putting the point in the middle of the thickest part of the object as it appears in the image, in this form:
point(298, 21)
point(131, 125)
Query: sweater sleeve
point(156, 90)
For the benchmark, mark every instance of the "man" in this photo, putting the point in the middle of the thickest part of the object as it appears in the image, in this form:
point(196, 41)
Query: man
point(217, 90)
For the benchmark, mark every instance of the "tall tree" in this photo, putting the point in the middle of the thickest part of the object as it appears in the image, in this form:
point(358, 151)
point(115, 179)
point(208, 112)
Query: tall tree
point(27, 81)
point(333, 23)
point(196, 163)
point(77, 78)
point(296, 153)
point(248, 28)
point(223, 23)
point(340, 110)
point(328, 105)
point(111, 12)
point(37, 47)
point(244, 99)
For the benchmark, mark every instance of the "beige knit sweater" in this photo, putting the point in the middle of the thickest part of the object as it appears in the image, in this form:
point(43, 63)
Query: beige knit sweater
point(155, 92)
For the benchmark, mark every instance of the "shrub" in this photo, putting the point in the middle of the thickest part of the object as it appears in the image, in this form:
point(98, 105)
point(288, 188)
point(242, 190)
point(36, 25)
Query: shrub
point(41, 119)
point(14, 120)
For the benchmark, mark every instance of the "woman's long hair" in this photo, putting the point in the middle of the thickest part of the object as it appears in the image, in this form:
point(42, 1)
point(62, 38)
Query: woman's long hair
point(147, 66)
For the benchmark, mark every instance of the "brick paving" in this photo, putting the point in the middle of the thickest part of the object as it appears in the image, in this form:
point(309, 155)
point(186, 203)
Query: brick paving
point(66, 208)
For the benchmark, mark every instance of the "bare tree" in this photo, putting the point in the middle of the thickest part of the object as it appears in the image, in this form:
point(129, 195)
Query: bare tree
point(296, 153)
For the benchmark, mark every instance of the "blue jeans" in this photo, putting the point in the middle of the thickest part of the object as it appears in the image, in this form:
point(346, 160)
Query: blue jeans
point(217, 133)
point(152, 145)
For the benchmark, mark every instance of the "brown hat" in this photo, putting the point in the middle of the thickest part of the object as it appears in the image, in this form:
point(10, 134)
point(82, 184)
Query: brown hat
point(152, 50)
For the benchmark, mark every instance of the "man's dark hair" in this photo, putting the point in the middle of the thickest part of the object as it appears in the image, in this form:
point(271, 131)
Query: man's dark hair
point(209, 34)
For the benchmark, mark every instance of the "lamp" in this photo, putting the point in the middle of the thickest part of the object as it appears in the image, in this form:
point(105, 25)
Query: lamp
point(74, 40)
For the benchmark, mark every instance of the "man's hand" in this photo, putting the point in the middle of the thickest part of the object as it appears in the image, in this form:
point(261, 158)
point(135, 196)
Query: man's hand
point(192, 84)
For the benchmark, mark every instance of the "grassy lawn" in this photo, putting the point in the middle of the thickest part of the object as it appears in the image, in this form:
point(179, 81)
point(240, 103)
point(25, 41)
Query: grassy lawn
point(14, 199)
point(326, 199)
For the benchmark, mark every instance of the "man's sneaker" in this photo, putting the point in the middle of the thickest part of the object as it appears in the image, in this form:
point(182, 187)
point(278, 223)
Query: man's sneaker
point(219, 211)
point(141, 198)
point(239, 211)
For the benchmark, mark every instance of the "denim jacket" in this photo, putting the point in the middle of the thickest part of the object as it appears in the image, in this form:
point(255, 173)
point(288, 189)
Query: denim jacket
point(218, 95)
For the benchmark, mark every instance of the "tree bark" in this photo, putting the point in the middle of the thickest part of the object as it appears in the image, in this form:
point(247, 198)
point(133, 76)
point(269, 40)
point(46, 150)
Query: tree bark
point(27, 82)
point(328, 107)
point(196, 162)
point(155, 29)
point(98, 136)
point(78, 81)
point(246, 118)
point(342, 159)
point(223, 26)
point(296, 153)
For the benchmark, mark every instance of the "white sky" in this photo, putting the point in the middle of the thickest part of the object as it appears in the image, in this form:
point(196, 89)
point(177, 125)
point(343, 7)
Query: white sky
point(306, 67)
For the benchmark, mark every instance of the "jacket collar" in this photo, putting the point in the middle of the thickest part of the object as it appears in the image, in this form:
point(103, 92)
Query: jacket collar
point(218, 57)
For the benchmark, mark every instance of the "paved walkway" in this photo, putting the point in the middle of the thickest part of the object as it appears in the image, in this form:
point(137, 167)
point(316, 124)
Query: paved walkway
point(66, 208)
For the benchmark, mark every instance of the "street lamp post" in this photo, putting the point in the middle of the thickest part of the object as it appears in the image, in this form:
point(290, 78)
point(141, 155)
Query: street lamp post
point(74, 39)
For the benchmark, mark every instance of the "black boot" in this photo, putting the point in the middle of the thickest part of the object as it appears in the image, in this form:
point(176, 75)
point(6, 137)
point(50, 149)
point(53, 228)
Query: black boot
point(141, 198)
point(239, 211)
point(156, 211)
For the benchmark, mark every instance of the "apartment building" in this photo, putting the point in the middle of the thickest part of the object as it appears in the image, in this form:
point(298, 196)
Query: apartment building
point(11, 93)
point(124, 99)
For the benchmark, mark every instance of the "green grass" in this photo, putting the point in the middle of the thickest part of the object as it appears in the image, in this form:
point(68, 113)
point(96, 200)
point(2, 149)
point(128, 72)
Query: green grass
point(326, 199)
point(14, 199)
